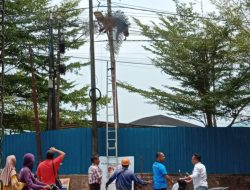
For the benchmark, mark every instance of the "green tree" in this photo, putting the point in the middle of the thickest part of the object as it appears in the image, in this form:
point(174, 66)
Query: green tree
point(27, 23)
point(236, 13)
point(202, 56)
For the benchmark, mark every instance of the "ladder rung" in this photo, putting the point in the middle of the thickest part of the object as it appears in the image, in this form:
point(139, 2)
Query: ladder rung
point(111, 148)
point(111, 131)
point(111, 139)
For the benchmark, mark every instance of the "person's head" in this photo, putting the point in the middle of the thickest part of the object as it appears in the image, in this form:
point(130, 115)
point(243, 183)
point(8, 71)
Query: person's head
point(50, 155)
point(28, 160)
point(11, 161)
point(160, 157)
point(95, 160)
point(125, 162)
point(196, 158)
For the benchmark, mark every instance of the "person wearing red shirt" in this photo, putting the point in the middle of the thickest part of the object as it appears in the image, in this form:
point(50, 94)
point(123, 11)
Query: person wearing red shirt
point(45, 172)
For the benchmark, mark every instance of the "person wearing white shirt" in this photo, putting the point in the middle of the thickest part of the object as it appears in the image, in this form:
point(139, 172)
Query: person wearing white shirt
point(199, 175)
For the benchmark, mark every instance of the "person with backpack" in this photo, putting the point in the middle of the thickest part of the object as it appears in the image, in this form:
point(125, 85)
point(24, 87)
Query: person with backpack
point(47, 170)
point(124, 177)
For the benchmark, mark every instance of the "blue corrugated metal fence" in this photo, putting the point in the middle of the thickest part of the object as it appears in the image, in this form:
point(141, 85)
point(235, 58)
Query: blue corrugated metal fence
point(224, 150)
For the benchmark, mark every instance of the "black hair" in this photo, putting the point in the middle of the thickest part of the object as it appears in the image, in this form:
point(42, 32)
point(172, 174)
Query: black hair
point(197, 157)
point(94, 158)
point(50, 155)
point(158, 154)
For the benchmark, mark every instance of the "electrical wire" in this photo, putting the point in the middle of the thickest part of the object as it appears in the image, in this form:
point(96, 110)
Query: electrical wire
point(144, 9)
point(105, 60)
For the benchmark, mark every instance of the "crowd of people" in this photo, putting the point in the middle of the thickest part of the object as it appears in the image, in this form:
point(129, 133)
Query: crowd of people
point(124, 177)
point(46, 174)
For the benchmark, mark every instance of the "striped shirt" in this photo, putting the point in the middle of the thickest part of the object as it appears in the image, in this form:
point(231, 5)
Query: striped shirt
point(124, 178)
point(94, 174)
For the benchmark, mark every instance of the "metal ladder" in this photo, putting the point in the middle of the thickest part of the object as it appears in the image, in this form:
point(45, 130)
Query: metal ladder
point(111, 122)
point(2, 29)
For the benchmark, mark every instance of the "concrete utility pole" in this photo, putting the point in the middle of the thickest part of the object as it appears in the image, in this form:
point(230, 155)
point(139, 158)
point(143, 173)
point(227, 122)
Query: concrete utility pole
point(35, 105)
point(93, 84)
point(113, 69)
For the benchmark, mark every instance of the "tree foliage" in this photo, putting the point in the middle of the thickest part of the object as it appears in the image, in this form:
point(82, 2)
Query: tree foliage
point(209, 59)
point(27, 24)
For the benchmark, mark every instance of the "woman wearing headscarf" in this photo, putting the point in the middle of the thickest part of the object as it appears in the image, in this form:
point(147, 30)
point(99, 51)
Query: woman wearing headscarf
point(27, 177)
point(9, 175)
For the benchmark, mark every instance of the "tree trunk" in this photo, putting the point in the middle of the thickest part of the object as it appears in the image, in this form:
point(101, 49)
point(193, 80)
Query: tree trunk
point(214, 120)
point(209, 120)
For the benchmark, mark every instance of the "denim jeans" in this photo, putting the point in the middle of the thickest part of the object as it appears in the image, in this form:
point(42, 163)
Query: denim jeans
point(201, 188)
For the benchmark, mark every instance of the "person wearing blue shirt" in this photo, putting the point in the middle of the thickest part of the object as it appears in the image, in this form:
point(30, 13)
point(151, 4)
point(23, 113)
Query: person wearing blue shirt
point(124, 177)
point(160, 174)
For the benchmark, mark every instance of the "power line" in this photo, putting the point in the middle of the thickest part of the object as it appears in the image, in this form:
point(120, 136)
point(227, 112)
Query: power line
point(143, 9)
point(124, 4)
point(105, 60)
point(161, 12)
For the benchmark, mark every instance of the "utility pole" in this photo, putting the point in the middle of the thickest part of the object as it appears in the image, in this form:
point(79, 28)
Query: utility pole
point(2, 70)
point(113, 70)
point(52, 74)
point(93, 84)
point(35, 105)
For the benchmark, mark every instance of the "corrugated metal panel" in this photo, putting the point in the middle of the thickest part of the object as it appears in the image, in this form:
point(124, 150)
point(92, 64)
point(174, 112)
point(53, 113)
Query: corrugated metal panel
point(224, 150)
point(75, 142)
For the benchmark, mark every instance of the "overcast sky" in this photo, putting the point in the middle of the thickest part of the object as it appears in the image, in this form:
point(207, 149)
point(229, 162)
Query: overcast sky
point(131, 106)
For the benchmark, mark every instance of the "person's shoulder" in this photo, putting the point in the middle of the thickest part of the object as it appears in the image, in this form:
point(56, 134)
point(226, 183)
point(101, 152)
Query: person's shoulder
point(155, 163)
point(41, 163)
point(92, 167)
point(118, 170)
point(129, 171)
point(162, 165)
point(200, 165)
point(24, 170)
point(158, 164)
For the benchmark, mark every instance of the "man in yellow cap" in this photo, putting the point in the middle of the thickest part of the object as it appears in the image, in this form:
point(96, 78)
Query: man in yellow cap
point(124, 177)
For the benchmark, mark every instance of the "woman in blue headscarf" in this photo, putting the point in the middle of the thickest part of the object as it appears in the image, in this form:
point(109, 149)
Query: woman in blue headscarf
point(27, 177)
